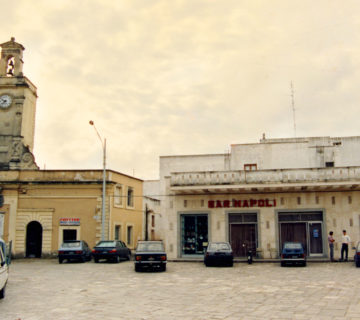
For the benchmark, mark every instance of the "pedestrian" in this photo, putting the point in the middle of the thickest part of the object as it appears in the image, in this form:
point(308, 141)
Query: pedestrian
point(331, 241)
point(345, 240)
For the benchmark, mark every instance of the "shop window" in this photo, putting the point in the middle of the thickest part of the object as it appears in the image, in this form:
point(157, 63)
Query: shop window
point(194, 234)
point(69, 234)
point(129, 236)
point(130, 197)
point(117, 233)
point(118, 195)
point(250, 167)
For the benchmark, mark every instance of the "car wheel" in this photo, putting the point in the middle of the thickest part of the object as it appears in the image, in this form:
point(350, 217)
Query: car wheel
point(129, 257)
point(60, 260)
point(2, 292)
point(96, 260)
point(137, 268)
point(163, 267)
point(231, 264)
point(83, 259)
point(282, 263)
point(358, 264)
point(117, 259)
point(304, 264)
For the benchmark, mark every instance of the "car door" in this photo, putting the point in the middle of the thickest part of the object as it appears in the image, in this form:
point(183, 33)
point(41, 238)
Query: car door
point(120, 249)
point(3, 270)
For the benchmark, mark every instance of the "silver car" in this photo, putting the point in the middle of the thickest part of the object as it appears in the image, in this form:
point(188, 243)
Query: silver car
point(4, 273)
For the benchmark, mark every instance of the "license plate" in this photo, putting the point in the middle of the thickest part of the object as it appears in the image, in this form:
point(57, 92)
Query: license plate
point(151, 259)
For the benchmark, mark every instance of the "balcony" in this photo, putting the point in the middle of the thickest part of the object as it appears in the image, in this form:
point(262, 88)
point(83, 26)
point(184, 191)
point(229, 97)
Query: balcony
point(314, 179)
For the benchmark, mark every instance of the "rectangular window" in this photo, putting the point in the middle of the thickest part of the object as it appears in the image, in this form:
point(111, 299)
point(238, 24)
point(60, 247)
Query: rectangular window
point(153, 221)
point(250, 166)
point(130, 197)
point(329, 164)
point(117, 232)
point(129, 237)
point(118, 195)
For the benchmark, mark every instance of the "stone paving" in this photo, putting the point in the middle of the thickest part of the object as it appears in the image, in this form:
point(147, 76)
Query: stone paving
point(43, 289)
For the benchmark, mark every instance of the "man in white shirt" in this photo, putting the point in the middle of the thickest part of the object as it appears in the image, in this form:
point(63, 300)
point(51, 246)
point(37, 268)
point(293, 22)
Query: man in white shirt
point(345, 240)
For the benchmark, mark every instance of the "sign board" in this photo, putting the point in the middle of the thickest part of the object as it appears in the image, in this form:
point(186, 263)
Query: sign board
point(247, 203)
point(69, 221)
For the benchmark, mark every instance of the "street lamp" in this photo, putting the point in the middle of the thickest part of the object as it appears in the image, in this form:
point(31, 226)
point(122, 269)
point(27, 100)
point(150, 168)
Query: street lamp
point(103, 144)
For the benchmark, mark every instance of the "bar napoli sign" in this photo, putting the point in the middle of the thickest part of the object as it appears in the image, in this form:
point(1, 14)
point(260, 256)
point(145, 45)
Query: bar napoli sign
point(247, 203)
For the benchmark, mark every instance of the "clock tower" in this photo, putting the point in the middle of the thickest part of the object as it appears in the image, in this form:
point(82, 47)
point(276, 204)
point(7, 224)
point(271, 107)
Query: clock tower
point(17, 110)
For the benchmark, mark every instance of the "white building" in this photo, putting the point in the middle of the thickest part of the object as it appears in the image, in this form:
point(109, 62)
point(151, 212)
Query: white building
point(260, 195)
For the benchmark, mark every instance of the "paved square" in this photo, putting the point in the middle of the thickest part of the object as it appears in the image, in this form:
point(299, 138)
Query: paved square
point(43, 289)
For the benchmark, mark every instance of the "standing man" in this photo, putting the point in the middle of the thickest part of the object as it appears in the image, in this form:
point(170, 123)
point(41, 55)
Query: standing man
point(345, 240)
point(331, 241)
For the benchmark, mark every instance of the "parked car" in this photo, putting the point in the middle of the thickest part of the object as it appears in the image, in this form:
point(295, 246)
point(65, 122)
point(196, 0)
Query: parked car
point(219, 253)
point(74, 250)
point(293, 253)
point(150, 255)
point(357, 255)
point(4, 273)
point(111, 250)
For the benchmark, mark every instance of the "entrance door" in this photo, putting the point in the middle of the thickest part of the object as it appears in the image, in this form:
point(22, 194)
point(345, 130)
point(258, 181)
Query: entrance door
point(293, 232)
point(69, 234)
point(33, 240)
point(316, 245)
point(243, 238)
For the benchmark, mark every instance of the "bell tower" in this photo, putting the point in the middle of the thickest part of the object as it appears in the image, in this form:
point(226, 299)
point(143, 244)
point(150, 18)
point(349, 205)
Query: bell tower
point(17, 110)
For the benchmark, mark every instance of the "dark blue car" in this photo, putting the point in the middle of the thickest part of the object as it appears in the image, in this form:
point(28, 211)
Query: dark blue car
point(293, 253)
point(357, 255)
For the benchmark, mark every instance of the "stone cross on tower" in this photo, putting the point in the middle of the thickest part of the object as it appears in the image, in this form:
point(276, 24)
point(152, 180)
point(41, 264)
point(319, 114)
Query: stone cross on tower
point(17, 110)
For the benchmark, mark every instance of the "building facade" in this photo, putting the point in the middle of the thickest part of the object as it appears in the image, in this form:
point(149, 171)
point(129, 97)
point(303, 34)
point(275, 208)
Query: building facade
point(260, 195)
point(41, 208)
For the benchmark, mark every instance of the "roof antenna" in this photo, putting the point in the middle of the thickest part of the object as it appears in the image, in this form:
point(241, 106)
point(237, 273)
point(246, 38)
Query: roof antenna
point(293, 106)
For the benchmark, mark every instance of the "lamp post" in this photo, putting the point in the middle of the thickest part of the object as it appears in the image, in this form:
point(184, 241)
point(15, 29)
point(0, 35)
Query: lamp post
point(103, 144)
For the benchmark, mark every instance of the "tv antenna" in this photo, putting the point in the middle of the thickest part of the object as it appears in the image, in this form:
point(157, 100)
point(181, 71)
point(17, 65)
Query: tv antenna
point(293, 106)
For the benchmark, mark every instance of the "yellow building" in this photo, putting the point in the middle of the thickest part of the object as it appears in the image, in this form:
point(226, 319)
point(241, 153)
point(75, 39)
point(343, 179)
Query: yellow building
point(41, 208)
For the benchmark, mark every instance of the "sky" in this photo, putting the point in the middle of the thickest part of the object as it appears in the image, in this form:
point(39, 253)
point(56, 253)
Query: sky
point(179, 77)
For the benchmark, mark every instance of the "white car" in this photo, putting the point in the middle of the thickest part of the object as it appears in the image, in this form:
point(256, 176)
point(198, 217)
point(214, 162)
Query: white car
point(4, 273)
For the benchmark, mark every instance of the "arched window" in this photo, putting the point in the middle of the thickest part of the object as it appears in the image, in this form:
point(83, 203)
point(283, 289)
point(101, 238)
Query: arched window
point(10, 68)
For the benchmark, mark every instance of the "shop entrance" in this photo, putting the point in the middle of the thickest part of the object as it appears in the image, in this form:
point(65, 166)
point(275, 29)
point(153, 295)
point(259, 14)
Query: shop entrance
point(243, 233)
point(33, 239)
point(194, 234)
point(304, 227)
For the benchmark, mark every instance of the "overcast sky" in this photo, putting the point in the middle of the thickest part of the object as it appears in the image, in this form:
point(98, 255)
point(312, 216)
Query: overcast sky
point(174, 77)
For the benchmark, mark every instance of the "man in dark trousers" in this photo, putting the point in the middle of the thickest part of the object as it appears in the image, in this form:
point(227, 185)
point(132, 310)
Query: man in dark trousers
point(331, 241)
point(345, 240)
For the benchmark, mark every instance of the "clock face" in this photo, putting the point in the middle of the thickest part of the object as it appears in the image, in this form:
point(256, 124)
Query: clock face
point(5, 101)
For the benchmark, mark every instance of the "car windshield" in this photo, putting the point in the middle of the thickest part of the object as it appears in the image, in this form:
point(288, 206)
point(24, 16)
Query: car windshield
point(219, 246)
point(150, 246)
point(292, 246)
point(72, 244)
point(103, 244)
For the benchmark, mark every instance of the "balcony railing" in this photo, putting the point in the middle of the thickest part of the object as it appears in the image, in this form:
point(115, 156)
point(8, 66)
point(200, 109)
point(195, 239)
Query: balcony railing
point(278, 176)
